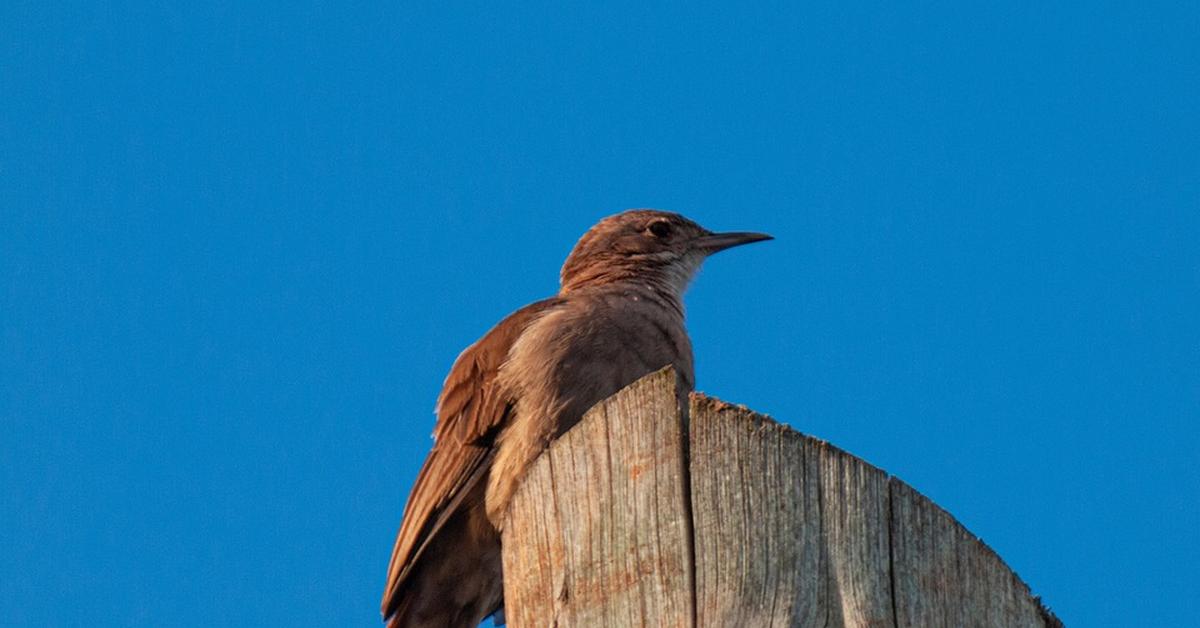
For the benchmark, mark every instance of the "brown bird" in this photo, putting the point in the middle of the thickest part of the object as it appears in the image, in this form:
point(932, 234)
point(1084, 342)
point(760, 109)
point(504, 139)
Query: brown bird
point(618, 316)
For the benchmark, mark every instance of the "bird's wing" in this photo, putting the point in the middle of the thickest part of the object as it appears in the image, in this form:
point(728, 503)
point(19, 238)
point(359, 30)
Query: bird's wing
point(470, 411)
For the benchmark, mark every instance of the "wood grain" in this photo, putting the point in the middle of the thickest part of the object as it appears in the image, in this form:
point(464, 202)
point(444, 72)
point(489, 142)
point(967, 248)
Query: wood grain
point(756, 504)
point(599, 533)
point(945, 576)
point(652, 514)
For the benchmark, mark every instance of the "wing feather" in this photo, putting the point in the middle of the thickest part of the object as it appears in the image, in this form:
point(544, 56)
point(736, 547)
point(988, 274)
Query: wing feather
point(470, 411)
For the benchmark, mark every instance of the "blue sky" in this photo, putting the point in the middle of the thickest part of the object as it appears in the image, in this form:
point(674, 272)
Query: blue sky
point(241, 245)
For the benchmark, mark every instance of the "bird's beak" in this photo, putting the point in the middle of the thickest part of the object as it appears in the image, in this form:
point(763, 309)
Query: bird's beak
point(714, 242)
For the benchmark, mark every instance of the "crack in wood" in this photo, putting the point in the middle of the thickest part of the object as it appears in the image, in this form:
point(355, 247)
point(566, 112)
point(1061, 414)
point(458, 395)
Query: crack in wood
point(708, 514)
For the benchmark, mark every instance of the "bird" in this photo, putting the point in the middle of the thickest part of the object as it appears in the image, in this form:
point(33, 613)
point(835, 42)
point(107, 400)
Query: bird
point(618, 315)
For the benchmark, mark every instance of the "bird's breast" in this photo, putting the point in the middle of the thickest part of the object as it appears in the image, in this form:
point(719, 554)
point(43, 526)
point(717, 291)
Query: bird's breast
point(570, 359)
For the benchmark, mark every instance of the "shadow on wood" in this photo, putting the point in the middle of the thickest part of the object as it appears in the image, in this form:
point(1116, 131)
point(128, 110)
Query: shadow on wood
point(640, 516)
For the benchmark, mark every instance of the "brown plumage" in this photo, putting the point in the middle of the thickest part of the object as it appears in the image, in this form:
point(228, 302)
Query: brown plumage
point(617, 317)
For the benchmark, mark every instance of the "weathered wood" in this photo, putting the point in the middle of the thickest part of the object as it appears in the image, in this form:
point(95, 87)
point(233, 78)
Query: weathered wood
point(945, 576)
point(757, 507)
point(854, 517)
point(641, 517)
point(599, 533)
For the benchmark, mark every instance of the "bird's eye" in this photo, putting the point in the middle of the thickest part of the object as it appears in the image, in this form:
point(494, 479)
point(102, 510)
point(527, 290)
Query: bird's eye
point(660, 228)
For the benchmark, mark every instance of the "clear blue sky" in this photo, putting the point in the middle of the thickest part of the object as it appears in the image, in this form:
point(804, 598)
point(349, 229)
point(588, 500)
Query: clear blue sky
point(241, 245)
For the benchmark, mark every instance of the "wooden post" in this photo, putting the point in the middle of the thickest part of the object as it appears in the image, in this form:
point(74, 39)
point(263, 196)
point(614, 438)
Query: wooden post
point(642, 516)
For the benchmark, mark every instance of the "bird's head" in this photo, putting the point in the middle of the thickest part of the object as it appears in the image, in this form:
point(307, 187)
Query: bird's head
point(646, 244)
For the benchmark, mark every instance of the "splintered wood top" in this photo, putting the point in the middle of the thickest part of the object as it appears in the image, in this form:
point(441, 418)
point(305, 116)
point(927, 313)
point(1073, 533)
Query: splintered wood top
point(643, 515)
